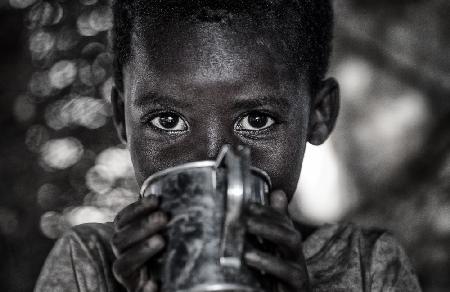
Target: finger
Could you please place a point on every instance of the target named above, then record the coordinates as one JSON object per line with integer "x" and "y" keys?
{"x": 276, "y": 233}
{"x": 139, "y": 230}
{"x": 150, "y": 286}
{"x": 135, "y": 210}
{"x": 289, "y": 273}
{"x": 268, "y": 213}
{"x": 133, "y": 259}
{"x": 279, "y": 201}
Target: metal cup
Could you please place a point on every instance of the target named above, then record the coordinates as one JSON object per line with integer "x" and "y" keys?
{"x": 206, "y": 233}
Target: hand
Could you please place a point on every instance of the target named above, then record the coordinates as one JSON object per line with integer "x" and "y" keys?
{"x": 272, "y": 223}
{"x": 136, "y": 241}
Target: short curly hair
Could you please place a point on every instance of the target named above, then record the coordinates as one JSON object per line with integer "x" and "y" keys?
{"x": 306, "y": 26}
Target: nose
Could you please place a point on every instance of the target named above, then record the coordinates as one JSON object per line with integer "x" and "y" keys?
{"x": 214, "y": 141}
{"x": 215, "y": 135}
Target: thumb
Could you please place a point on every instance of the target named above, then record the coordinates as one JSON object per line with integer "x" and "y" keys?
{"x": 279, "y": 201}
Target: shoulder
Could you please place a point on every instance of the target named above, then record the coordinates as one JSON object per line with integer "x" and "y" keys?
{"x": 340, "y": 237}
{"x": 81, "y": 258}
{"x": 365, "y": 259}
{"x": 89, "y": 241}
{"x": 92, "y": 233}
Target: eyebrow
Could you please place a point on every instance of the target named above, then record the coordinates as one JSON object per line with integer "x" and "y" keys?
{"x": 161, "y": 100}
{"x": 244, "y": 103}
{"x": 271, "y": 100}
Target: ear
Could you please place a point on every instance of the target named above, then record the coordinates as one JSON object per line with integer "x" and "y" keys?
{"x": 118, "y": 106}
{"x": 324, "y": 111}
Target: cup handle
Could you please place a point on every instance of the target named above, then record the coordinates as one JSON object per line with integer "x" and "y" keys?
{"x": 237, "y": 169}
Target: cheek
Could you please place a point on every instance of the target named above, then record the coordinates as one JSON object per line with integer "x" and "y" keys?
{"x": 145, "y": 156}
{"x": 282, "y": 161}
{"x": 151, "y": 152}
{"x": 150, "y": 156}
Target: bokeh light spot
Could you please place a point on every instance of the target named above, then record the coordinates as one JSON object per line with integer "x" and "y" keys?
{"x": 101, "y": 67}
{"x": 87, "y": 214}
{"x": 40, "y": 84}
{"x": 116, "y": 199}
{"x": 63, "y": 74}
{"x": 52, "y": 224}
{"x": 442, "y": 219}
{"x": 61, "y": 153}
{"x": 101, "y": 18}
{"x": 55, "y": 117}
{"x": 355, "y": 78}
{"x": 99, "y": 179}
{"x": 41, "y": 44}
{"x": 106, "y": 89}
{"x": 112, "y": 165}
{"x": 88, "y": 2}
{"x": 35, "y": 137}
{"x": 85, "y": 73}
{"x": 21, "y": 3}
{"x": 45, "y": 13}
{"x": 92, "y": 50}
{"x": 399, "y": 124}
{"x": 84, "y": 25}
{"x": 67, "y": 39}
{"x": 117, "y": 161}
{"x": 87, "y": 112}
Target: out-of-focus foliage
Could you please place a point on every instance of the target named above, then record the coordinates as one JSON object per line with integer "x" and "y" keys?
{"x": 393, "y": 61}
{"x": 71, "y": 83}
{"x": 387, "y": 165}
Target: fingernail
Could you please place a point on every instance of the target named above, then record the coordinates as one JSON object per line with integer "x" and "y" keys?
{"x": 251, "y": 256}
{"x": 150, "y": 286}
{"x": 156, "y": 242}
{"x": 278, "y": 199}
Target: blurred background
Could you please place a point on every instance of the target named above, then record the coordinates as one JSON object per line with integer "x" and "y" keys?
{"x": 386, "y": 165}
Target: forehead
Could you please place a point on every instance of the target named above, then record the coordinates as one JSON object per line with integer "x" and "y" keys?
{"x": 185, "y": 56}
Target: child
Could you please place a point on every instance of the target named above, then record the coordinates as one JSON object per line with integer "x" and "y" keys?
{"x": 193, "y": 75}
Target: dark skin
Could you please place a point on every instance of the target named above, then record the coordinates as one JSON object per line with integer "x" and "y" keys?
{"x": 194, "y": 89}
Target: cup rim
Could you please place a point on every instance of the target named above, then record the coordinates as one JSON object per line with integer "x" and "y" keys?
{"x": 196, "y": 164}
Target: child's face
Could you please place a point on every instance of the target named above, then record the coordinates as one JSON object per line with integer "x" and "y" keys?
{"x": 189, "y": 90}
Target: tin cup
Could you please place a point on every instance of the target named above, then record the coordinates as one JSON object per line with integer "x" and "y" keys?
{"x": 206, "y": 233}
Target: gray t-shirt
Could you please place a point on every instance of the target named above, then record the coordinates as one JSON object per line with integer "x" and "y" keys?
{"x": 338, "y": 257}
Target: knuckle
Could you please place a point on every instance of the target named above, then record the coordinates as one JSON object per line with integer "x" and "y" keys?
{"x": 122, "y": 214}
{"x": 157, "y": 219}
{"x": 147, "y": 221}
{"x": 160, "y": 218}
{"x": 156, "y": 242}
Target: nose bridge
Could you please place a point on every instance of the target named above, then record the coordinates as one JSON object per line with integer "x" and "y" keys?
{"x": 217, "y": 134}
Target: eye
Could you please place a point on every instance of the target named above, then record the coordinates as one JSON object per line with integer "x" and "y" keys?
{"x": 255, "y": 121}
{"x": 170, "y": 122}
